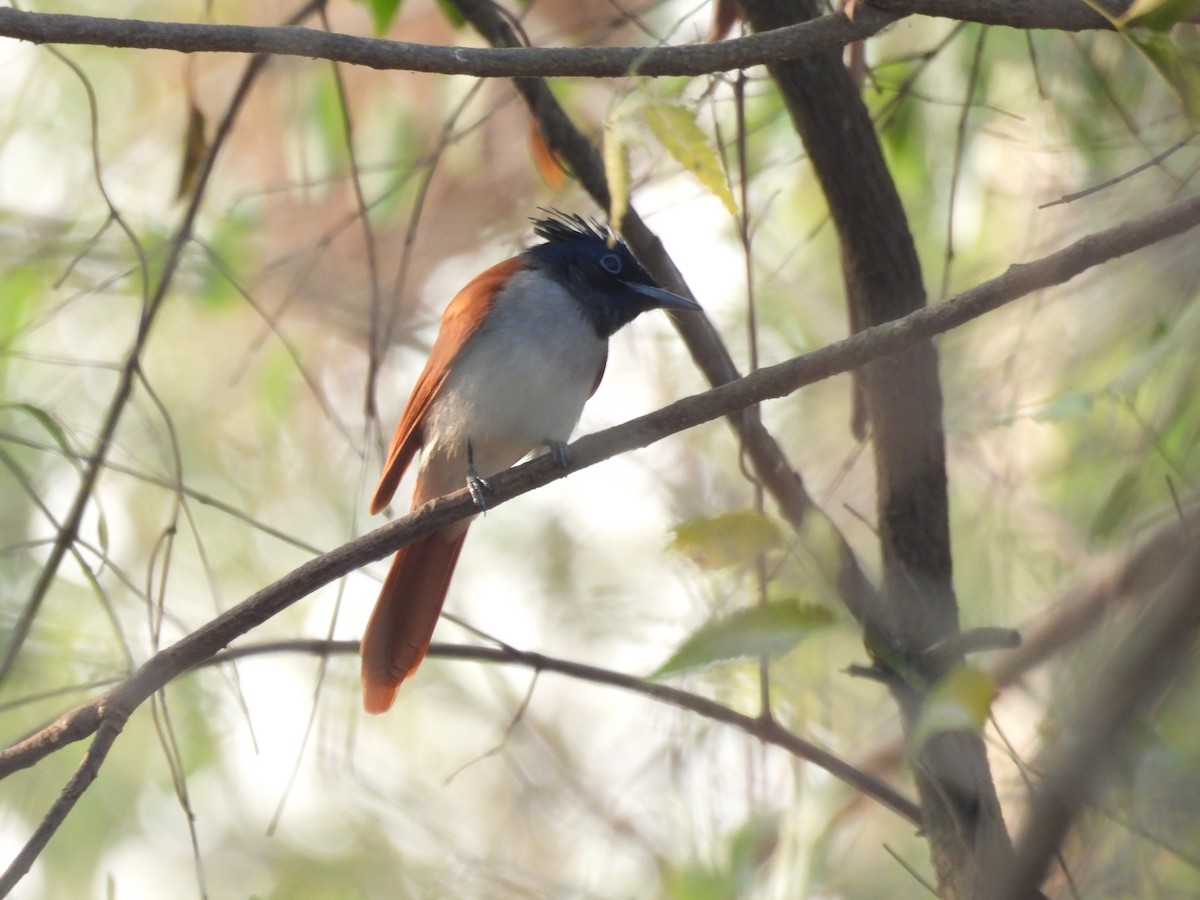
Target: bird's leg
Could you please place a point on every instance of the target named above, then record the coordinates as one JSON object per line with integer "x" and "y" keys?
{"x": 558, "y": 449}
{"x": 476, "y": 483}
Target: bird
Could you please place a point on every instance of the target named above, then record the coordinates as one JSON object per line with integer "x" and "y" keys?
{"x": 519, "y": 351}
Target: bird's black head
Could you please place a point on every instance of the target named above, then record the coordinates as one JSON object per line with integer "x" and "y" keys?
{"x": 599, "y": 271}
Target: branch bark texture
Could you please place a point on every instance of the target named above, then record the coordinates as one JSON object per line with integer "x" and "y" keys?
{"x": 823, "y": 33}
{"x": 903, "y": 399}
{"x": 769, "y": 383}
{"x": 829, "y": 32}
{"x": 106, "y": 714}
{"x": 770, "y": 464}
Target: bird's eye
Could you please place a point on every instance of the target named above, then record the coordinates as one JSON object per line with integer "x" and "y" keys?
{"x": 611, "y": 263}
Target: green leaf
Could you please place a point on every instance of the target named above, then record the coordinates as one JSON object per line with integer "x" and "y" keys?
{"x": 20, "y": 287}
{"x": 729, "y": 539}
{"x": 383, "y": 13}
{"x": 677, "y": 131}
{"x": 1159, "y": 15}
{"x": 1069, "y": 406}
{"x": 768, "y": 630}
{"x": 751, "y": 849}
{"x": 696, "y": 883}
{"x": 1121, "y": 501}
{"x": 452, "y": 13}
{"x": 49, "y": 423}
{"x": 1179, "y": 70}
{"x": 277, "y": 385}
{"x": 233, "y": 243}
{"x": 959, "y": 702}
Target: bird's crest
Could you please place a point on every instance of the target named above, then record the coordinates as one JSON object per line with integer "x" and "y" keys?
{"x": 561, "y": 226}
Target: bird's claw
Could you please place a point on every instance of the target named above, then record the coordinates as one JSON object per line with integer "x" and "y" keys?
{"x": 476, "y": 483}
{"x": 558, "y": 450}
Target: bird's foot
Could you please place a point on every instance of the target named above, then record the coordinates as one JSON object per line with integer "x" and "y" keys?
{"x": 478, "y": 486}
{"x": 476, "y": 483}
{"x": 558, "y": 450}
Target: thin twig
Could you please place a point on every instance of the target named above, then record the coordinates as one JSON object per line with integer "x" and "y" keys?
{"x": 1117, "y": 179}
{"x": 771, "y": 466}
{"x": 90, "y": 471}
{"x": 112, "y": 718}
{"x": 765, "y": 729}
{"x": 774, "y": 381}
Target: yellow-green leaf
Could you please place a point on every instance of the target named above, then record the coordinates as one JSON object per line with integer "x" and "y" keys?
{"x": 677, "y": 131}
{"x": 1072, "y": 405}
{"x": 1160, "y": 15}
{"x": 959, "y": 702}
{"x": 195, "y": 145}
{"x": 728, "y": 539}
{"x": 452, "y": 13}
{"x": 616, "y": 168}
{"x": 1120, "y": 503}
{"x": 49, "y": 423}
{"x": 21, "y": 286}
{"x": 1178, "y": 69}
{"x": 766, "y": 630}
{"x": 383, "y": 13}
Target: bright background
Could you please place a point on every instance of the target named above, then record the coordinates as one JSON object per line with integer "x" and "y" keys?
{"x": 1072, "y": 418}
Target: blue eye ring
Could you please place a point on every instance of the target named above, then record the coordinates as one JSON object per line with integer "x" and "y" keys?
{"x": 611, "y": 263}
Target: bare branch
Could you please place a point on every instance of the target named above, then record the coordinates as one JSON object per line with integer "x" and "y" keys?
{"x": 704, "y": 343}
{"x": 80, "y": 781}
{"x": 1130, "y": 681}
{"x": 151, "y": 305}
{"x": 767, "y": 730}
{"x": 769, "y": 383}
{"x": 827, "y": 33}
{"x": 1059, "y": 15}
{"x": 1124, "y": 581}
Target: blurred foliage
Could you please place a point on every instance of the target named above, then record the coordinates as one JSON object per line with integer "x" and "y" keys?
{"x": 383, "y": 13}
{"x": 675, "y": 127}
{"x": 728, "y": 539}
{"x": 250, "y": 443}
{"x": 768, "y": 630}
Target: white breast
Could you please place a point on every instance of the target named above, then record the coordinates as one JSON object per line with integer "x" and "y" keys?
{"x": 521, "y": 380}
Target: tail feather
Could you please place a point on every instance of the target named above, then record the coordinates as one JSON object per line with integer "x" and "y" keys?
{"x": 405, "y": 615}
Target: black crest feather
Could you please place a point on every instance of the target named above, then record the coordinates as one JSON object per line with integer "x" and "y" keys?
{"x": 561, "y": 226}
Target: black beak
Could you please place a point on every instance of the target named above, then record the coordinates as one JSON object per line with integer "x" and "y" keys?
{"x": 663, "y": 299}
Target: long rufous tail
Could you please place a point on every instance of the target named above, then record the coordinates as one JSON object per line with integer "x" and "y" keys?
{"x": 405, "y": 614}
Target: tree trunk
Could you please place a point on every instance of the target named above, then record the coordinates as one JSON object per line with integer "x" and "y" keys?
{"x": 903, "y": 405}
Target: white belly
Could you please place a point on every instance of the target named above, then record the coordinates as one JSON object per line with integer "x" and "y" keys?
{"x": 520, "y": 381}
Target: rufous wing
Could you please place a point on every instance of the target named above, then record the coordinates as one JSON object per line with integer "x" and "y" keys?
{"x": 461, "y": 319}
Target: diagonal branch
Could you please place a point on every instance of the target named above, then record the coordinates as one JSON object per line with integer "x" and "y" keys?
{"x": 1120, "y": 584}
{"x": 1132, "y": 680}
{"x": 82, "y": 778}
{"x": 769, "y": 383}
{"x": 705, "y": 345}
{"x": 106, "y": 715}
